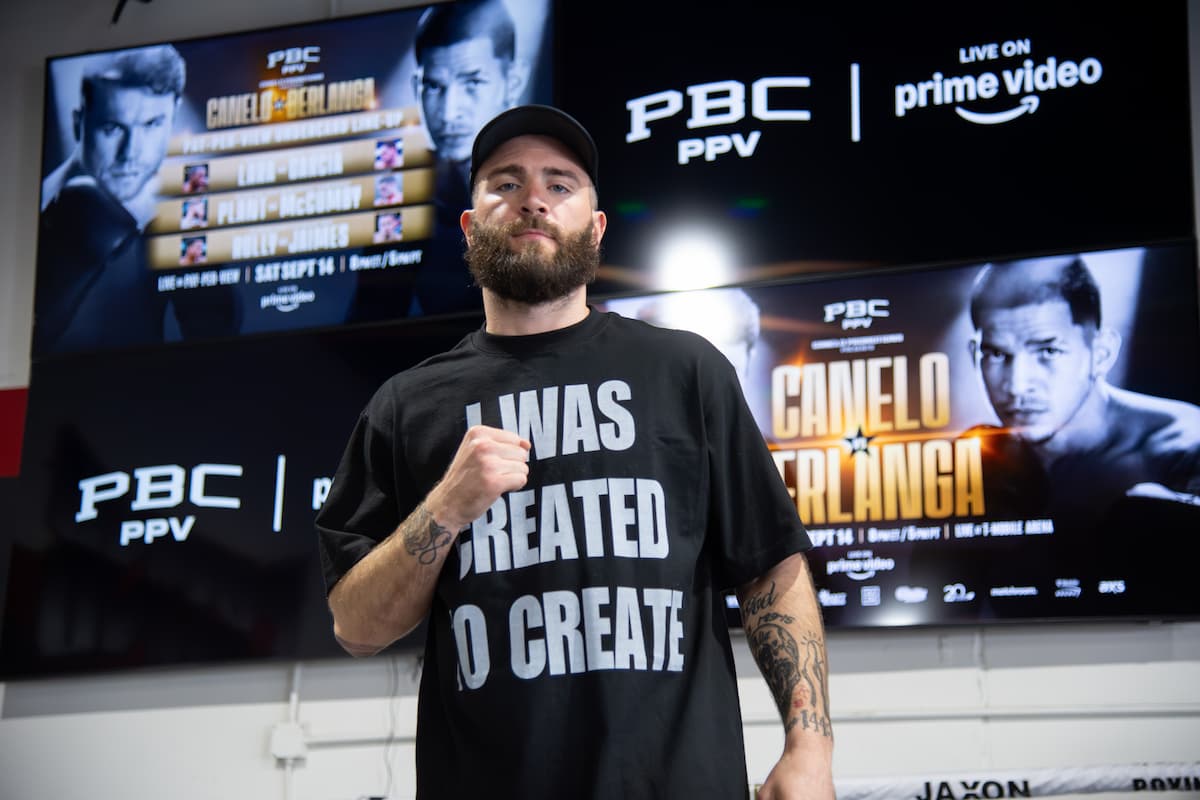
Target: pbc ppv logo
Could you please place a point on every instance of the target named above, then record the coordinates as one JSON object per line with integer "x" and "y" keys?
{"x": 856, "y": 313}
{"x": 717, "y": 103}
{"x": 293, "y": 60}
{"x": 159, "y": 487}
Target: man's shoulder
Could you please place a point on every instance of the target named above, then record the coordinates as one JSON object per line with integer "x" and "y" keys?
{"x": 83, "y": 203}
{"x": 1160, "y": 422}
{"x": 414, "y": 390}
{"x": 432, "y": 370}
{"x": 663, "y": 340}
{"x": 53, "y": 183}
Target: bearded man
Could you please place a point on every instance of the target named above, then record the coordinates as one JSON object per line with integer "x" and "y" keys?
{"x": 565, "y": 495}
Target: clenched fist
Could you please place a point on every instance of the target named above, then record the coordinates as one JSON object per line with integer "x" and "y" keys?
{"x": 489, "y": 462}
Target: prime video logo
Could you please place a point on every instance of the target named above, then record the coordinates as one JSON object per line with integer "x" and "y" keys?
{"x": 287, "y": 298}
{"x": 1024, "y": 83}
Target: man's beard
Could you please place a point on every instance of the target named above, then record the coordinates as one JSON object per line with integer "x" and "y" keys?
{"x": 528, "y": 276}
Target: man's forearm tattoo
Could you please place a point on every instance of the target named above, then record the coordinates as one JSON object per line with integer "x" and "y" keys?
{"x": 778, "y": 657}
{"x": 795, "y": 671}
{"x": 758, "y": 602}
{"x": 813, "y": 713}
{"x": 423, "y": 537}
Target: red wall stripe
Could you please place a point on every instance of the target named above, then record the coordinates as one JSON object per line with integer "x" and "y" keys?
{"x": 12, "y": 429}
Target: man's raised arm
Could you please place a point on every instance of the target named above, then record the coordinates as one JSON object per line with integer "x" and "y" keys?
{"x": 389, "y": 592}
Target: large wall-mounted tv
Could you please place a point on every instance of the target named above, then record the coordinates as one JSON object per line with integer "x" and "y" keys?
{"x": 164, "y": 510}
{"x": 298, "y": 177}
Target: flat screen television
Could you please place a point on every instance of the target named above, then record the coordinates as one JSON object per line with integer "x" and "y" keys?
{"x": 291, "y": 178}
{"x": 164, "y": 510}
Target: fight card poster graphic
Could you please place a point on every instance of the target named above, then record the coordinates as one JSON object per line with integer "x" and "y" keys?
{"x": 820, "y": 139}
{"x": 277, "y": 180}
{"x": 1005, "y": 440}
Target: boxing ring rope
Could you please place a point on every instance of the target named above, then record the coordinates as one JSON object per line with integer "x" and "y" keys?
{"x": 978, "y": 784}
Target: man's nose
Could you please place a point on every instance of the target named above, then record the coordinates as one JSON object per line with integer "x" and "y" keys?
{"x": 1022, "y": 373}
{"x": 130, "y": 143}
{"x": 458, "y": 102}
{"x": 533, "y": 201}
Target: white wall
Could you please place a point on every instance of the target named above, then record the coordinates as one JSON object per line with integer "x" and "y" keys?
{"x": 919, "y": 702}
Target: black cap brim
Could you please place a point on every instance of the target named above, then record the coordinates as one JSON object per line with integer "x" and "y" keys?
{"x": 534, "y": 120}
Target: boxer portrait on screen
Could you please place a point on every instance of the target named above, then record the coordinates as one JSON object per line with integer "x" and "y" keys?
{"x": 94, "y": 286}
{"x": 1069, "y": 443}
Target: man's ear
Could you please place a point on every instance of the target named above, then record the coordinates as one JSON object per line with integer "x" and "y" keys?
{"x": 77, "y": 123}
{"x": 600, "y": 220}
{"x": 464, "y": 222}
{"x": 515, "y": 80}
{"x": 974, "y": 347}
{"x": 1106, "y": 346}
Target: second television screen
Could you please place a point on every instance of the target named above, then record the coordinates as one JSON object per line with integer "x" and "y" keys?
{"x": 276, "y": 180}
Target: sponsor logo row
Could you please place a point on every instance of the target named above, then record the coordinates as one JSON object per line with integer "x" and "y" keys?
{"x": 873, "y": 595}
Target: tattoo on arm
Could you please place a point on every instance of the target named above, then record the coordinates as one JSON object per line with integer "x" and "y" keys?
{"x": 778, "y": 657}
{"x": 795, "y": 672}
{"x": 759, "y": 602}
{"x": 423, "y": 537}
{"x": 813, "y": 713}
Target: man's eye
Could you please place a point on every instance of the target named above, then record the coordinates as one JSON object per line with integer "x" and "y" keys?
{"x": 558, "y": 188}
{"x": 507, "y": 186}
{"x": 1049, "y": 352}
{"x": 994, "y": 356}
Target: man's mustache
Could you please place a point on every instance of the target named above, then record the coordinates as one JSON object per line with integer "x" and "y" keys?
{"x": 1025, "y": 405}
{"x": 520, "y": 226}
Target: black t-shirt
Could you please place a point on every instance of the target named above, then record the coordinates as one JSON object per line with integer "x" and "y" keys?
{"x": 577, "y": 646}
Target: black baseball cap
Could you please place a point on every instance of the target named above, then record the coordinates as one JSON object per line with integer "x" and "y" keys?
{"x": 534, "y": 120}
